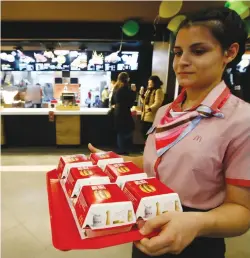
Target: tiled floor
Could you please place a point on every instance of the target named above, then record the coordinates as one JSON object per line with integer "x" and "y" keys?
{"x": 25, "y": 218}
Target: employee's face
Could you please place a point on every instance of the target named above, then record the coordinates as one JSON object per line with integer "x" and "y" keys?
{"x": 199, "y": 59}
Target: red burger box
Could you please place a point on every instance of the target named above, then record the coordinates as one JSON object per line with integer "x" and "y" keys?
{"x": 102, "y": 159}
{"x": 150, "y": 198}
{"x": 103, "y": 210}
{"x": 120, "y": 173}
{"x": 67, "y": 162}
{"x": 81, "y": 176}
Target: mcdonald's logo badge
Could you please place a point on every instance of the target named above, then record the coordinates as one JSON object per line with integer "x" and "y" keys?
{"x": 197, "y": 138}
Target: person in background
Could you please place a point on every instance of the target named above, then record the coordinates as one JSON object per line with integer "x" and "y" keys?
{"x": 105, "y": 97}
{"x": 88, "y": 100}
{"x": 35, "y": 94}
{"x": 122, "y": 100}
{"x": 97, "y": 102}
{"x": 199, "y": 145}
{"x": 21, "y": 95}
{"x": 48, "y": 92}
{"x": 151, "y": 101}
{"x": 112, "y": 85}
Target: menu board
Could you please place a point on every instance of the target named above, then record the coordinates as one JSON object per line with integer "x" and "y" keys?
{"x": 25, "y": 61}
{"x": 57, "y": 60}
{"x": 78, "y": 61}
{"x": 10, "y": 61}
{"x": 122, "y": 61}
{"x": 95, "y": 61}
{"x": 65, "y": 60}
{"x": 17, "y": 60}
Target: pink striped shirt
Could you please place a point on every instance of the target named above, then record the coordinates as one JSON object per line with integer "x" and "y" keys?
{"x": 215, "y": 153}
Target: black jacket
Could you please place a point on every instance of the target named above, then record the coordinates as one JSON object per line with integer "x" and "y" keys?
{"x": 123, "y": 99}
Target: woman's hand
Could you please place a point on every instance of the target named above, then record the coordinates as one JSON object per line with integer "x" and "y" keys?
{"x": 133, "y": 87}
{"x": 178, "y": 230}
{"x": 93, "y": 149}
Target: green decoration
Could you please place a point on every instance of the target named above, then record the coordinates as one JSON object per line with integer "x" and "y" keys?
{"x": 130, "y": 28}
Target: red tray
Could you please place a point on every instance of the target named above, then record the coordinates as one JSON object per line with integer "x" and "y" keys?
{"x": 65, "y": 235}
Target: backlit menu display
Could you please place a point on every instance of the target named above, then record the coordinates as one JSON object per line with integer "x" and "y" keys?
{"x": 95, "y": 61}
{"x": 65, "y": 60}
{"x": 57, "y": 60}
{"x": 17, "y": 60}
{"x": 78, "y": 61}
{"x": 122, "y": 61}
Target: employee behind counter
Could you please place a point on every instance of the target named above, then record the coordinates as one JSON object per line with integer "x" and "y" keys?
{"x": 32, "y": 96}
{"x": 29, "y": 96}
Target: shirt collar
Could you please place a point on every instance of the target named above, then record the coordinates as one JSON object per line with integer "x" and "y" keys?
{"x": 212, "y": 100}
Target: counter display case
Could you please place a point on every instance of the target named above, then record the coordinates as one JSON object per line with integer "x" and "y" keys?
{"x": 34, "y": 127}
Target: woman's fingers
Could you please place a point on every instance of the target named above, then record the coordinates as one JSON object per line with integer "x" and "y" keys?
{"x": 93, "y": 149}
{"x": 155, "y": 223}
{"x": 164, "y": 240}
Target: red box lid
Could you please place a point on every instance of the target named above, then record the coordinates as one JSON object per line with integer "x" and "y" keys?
{"x": 122, "y": 169}
{"x": 87, "y": 171}
{"x": 75, "y": 158}
{"x": 107, "y": 193}
{"x": 147, "y": 187}
{"x": 103, "y": 155}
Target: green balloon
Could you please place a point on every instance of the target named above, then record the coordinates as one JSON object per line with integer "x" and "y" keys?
{"x": 237, "y": 6}
{"x": 130, "y": 28}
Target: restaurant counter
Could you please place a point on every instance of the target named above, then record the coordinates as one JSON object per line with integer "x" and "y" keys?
{"x": 45, "y": 111}
{"x": 48, "y": 127}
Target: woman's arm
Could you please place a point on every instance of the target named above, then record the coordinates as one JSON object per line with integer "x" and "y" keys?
{"x": 142, "y": 98}
{"x": 230, "y": 219}
{"x": 159, "y": 97}
{"x": 178, "y": 229}
{"x": 112, "y": 100}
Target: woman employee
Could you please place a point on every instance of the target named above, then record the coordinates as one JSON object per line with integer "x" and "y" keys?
{"x": 199, "y": 145}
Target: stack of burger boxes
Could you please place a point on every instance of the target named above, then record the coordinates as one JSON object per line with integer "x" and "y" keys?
{"x": 104, "y": 158}
{"x": 67, "y": 162}
{"x": 107, "y": 195}
{"x": 81, "y": 176}
{"x": 150, "y": 198}
{"x": 120, "y": 173}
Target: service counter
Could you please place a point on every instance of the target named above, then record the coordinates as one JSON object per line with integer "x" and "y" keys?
{"x": 50, "y": 127}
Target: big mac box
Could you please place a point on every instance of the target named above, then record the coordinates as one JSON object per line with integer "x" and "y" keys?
{"x": 103, "y": 210}
{"x": 81, "y": 176}
{"x": 150, "y": 198}
{"x": 67, "y": 162}
{"x": 102, "y": 159}
{"x": 120, "y": 173}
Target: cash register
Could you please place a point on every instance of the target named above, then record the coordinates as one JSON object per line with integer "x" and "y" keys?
{"x": 68, "y": 102}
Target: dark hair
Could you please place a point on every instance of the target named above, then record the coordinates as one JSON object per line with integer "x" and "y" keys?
{"x": 123, "y": 77}
{"x": 122, "y": 80}
{"x": 225, "y": 25}
{"x": 156, "y": 80}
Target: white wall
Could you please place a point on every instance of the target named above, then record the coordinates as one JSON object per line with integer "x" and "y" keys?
{"x": 35, "y": 77}
{"x": 43, "y": 77}
{"x": 91, "y": 81}
{"x": 160, "y": 62}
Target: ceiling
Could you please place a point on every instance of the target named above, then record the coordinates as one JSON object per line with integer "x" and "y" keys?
{"x": 91, "y": 11}
{"x": 108, "y": 11}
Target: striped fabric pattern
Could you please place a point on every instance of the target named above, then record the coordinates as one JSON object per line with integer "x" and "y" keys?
{"x": 174, "y": 126}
